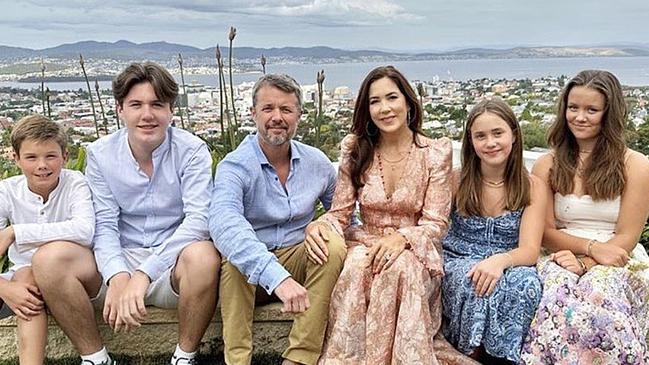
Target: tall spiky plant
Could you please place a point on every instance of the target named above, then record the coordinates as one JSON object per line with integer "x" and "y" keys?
{"x": 180, "y": 113}
{"x": 101, "y": 107}
{"x": 219, "y": 70}
{"x": 92, "y": 104}
{"x": 318, "y": 120}
{"x": 421, "y": 91}
{"x": 47, "y": 98}
{"x": 43, "y": 84}
{"x": 182, "y": 79}
{"x": 231, "y": 35}
{"x": 231, "y": 128}
{"x": 117, "y": 117}
{"x": 263, "y": 64}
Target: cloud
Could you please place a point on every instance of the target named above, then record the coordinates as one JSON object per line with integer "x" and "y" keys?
{"x": 316, "y": 12}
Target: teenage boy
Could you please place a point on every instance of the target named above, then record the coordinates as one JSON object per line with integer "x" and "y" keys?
{"x": 45, "y": 204}
{"x": 151, "y": 189}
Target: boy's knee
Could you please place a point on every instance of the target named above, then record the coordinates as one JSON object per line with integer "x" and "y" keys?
{"x": 52, "y": 253}
{"x": 25, "y": 275}
{"x": 200, "y": 256}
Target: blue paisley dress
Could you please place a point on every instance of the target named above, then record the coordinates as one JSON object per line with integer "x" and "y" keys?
{"x": 499, "y": 321}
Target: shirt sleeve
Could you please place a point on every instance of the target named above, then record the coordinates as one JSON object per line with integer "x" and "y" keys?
{"x": 195, "y": 183}
{"x": 328, "y": 195}
{"x": 4, "y": 208}
{"x": 107, "y": 247}
{"x": 79, "y": 228}
{"x": 425, "y": 237}
{"x": 234, "y": 236}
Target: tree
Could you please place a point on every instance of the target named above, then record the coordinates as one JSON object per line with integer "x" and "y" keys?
{"x": 640, "y": 140}
{"x": 534, "y": 135}
{"x": 458, "y": 114}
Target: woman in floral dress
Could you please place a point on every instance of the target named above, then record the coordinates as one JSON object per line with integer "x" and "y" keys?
{"x": 385, "y": 308}
{"x": 594, "y": 308}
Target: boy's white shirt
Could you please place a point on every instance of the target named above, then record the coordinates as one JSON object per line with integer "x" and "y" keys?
{"x": 67, "y": 215}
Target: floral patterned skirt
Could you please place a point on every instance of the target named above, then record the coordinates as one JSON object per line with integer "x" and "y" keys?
{"x": 598, "y": 318}
{"x": 390, "y": 318}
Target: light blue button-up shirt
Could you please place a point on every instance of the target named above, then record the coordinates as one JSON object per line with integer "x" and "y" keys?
{"x": 251, "y": 212}
{"x": 165, "y": 212}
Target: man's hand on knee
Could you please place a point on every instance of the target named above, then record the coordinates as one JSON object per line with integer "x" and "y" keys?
{"x": 293, "y": 295}
{"x": 131, "y": 311}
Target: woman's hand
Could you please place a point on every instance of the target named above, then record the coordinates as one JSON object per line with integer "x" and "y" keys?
{"x": 608, "y": 254}
{"x": 385, "y": 251}
{"x": 317, "y": 233}
{"x": 568, "y": 260}
{"x": 486, "y": 273}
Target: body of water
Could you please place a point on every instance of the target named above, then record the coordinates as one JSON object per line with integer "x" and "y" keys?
{"x": 633, "y": 71}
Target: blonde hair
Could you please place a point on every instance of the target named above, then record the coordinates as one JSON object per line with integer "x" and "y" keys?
{"x": 38, "y": 128}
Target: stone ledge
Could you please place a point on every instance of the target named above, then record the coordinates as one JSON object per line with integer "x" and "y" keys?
{"x": 159, "y": 334}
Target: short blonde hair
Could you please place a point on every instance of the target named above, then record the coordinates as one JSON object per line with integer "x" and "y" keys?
{"x": 38, "y": 128}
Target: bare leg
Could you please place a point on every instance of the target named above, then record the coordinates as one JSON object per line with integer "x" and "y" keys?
{"x": 32, "y": 334}
{"x": 196, "y": 280}
{"x": 67, "y": 276}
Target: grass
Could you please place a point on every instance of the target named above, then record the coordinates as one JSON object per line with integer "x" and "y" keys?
{"x": 215, "y": 359}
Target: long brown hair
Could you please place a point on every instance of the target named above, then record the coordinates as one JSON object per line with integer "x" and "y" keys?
{"x": 366, "y": 132}
{"x": 468, "y": 199}
{"x": 604, "y": 175}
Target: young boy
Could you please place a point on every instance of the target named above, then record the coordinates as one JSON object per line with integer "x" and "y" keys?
{"x": 46, "y": 203}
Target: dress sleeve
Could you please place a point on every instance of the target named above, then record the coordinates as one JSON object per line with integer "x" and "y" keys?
{"x": 425, "y": 238}
{"x": 344, "y": 200}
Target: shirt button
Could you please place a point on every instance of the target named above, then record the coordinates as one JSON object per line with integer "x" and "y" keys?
{"x": 42, "y": 213}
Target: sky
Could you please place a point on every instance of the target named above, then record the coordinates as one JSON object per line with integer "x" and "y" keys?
{"x": 407, "y": 25}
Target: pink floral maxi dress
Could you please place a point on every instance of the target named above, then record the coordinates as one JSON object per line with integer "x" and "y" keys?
{"x": 393, "y": 317}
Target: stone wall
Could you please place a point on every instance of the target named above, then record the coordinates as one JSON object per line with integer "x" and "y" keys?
{"x": 159, "y": 335}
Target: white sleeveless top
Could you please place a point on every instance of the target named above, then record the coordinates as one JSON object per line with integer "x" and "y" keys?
{"x": 583, "y": 217}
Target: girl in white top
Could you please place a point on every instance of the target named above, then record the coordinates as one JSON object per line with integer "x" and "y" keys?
{"x": 595, "y": 307}
{"x": 44, "y": 204}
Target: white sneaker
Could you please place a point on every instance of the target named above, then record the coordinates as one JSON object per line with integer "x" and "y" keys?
{"x": 108, "y": 362}
{"x": 182, "y": 361}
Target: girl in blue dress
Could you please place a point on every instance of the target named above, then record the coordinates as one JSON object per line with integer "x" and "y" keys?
{"x": 491, "y": 289}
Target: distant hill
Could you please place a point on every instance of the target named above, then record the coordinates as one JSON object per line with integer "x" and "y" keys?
{"x": 164, "y": 51}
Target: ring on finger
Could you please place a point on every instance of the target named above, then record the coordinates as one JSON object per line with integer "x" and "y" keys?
{"x": 386, "y": 257}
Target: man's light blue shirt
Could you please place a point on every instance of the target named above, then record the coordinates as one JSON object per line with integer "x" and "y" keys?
{"x": 252, "y": 213}
{"x": 165, "y": 212}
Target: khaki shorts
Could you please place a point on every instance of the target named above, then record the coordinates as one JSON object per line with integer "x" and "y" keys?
{"x": 160, "y": 294}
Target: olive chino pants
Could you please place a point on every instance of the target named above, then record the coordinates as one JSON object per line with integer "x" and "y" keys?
{"x": 307, "y": 334}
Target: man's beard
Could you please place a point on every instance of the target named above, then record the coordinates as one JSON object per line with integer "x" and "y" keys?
{"x": 274, "y": 139}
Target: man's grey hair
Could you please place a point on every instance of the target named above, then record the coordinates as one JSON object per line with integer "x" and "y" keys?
{"x": 281, "y": 81}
